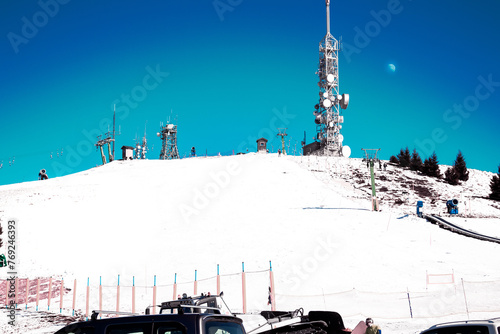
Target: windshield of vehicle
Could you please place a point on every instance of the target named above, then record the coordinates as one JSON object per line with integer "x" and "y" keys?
{"x": 459, "y": 330}
{"x": 223, "y": 327}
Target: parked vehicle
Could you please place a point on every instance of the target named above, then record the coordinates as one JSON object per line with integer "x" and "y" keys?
{"x": 491, "y": 326}
{"x": 207, "y": 314}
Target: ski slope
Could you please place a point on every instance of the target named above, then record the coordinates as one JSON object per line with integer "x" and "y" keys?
{"x": 311, "y": 218}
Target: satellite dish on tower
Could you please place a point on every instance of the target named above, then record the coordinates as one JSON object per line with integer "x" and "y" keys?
{"x": 341, "y": 138}
{"x": 346, "y": 151}
{"x": 330, "y": 78}
{"x": 327, "y": 103}
{"x": 345, "y": 101}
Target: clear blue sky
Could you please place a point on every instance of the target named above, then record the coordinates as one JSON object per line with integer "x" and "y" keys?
{"x": 231, "y": 71}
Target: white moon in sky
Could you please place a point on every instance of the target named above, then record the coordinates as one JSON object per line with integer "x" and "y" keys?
{"x": 392, "y": 67}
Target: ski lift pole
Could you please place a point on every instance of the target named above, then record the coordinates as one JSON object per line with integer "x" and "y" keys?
{"x": 371, "y": 158}
{"x": 374, "y": 192}
{"x": 110, "y": 155}
{"x": 102, "y": 155}
{"x": 282, "y": 134}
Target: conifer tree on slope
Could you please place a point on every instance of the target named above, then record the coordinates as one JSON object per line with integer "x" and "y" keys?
{"x": 451, "y": 176}
{"x": 431, "y": 166}
{"x": 415, "y": 161}
{"x": 404, "y": 157}
{"x": 461, "y": 167}
{"x": 495, "y": 186}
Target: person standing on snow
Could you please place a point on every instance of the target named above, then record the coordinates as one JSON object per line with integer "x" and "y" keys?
{"x": 371, "y": 328}
{"x": 279, "y": 152}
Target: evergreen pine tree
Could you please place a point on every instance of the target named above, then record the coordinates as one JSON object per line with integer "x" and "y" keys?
{"x": 451, "y": 176}
{"x": 393, "y": 159}
{"x": 461, "y": 167}
{"x": 431, "y": 166}
{"x": 425, "y": 167}
{"x": 415, "y": 161}
{"x": 495, "y": 186}
{"x": 404, "y": 157}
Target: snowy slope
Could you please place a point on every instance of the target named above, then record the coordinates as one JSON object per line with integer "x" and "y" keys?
{"x": 310, "y": 216}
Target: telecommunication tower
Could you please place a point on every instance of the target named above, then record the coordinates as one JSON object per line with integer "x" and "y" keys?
{"x": 141, "y": 147}
{"x": 328, "y": 111}
{"x": 168, "y": 135}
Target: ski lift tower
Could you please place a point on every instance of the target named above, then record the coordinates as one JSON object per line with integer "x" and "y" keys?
{"x": 328, "y": 111}
{"x": 106, "y": 141}
{"x": 371, "y": 158}
{"x": 168, "y": 135}
{"x": 282, "y": 134}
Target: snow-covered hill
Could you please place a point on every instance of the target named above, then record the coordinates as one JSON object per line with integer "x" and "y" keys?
{"x": 310, "y": 216}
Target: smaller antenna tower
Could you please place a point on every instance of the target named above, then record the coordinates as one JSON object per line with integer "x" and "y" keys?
{"x": 168, "y": 135}
{"x": 141, "y": 148}
{"x": 282, "y": 134}
{"x": 371, "y": 158}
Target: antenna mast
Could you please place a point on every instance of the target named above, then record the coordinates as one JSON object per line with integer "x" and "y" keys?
{"x": 114, "y": 118}
{"x": 328, "y": 110}
{"x": 327, "y": 17}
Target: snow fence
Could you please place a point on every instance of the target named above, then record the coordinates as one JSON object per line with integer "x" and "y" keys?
{"x": 248, "y": 292}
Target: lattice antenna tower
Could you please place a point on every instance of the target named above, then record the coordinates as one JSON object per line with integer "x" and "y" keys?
{"x": 144, "y": 143}
{"x": 282, "y": 134}
{"x": 141, "y": 146}
{"x": 328, "y": 111}
{"x": 168, "y": 136}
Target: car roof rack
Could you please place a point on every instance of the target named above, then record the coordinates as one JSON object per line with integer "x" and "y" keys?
{"x": 490, "y": 321}
{"x": 95, "y": 313}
